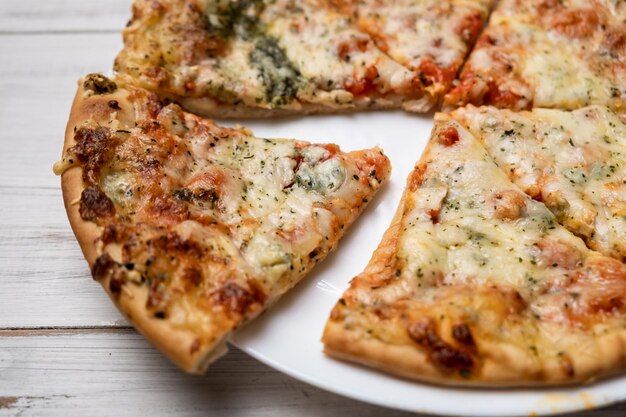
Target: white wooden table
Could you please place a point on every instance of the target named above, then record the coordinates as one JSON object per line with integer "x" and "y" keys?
{"x": 64, "y": 350}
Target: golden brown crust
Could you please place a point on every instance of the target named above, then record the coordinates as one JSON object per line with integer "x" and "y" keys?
{"x": 211, "y": 108}
{"x": 131, "y": 302}
{"x": 504, "y": 367}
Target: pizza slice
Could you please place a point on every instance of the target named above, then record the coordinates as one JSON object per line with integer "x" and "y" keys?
{"x": 194, "y": 229}
{"x": 548, "y": 53}
{"x": 475, "y": 283}
{"x": 574, "y": 162}
{"x": 256, "y": 58}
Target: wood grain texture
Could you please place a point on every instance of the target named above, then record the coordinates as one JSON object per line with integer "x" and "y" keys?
{"x": 45, "y": 279}
{"x": 117, "y": 373}
{"x": 40, "y": 260}
{"x": 64, "y": 349}
{"x": 40, "y": 79}
{"x": 62, "y": 16}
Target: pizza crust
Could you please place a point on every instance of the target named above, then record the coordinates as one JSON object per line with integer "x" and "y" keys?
{"x": 209, "y": 107}
{"x": 505, "y": 367}
{"x": 174, "y": 343}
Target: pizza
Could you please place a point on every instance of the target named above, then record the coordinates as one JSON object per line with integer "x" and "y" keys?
{"x": 257, "y": 58}
{"x": 194, "y": 229}
{"x": 572, "y": 161}
{"x": 548, "y": 53}
{"x": 476, "y": 283}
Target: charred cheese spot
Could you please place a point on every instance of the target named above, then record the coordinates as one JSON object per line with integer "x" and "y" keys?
{"x": 193, "y": 275}
{"x": 92, "y": 149}
{"x": 116, "y": 282}
{"x": 443, "y": 354}
{"x": 463, "y": 334}
{"x": 102, "y": 266}
{"x": 114, "y": 104}
{"x": 95, "y": 205}
{"x": 168, "y": 209}
{"x": 237, "y": 300}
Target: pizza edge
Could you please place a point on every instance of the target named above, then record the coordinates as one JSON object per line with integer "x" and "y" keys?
{"x": 208, "y": 106}
{"x": 174, "y": 343}
{"x": 502, "y": 366}
{"x": 212, "y": 108}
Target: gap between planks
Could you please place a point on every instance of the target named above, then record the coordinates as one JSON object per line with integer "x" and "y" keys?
{"x": 59, "y": 32}
{"x": 63, "y": 330}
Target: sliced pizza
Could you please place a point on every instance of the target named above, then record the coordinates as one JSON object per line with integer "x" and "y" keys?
{"x": 193, "y": 229}
{"x": 274, "y": 57}
{"x": 574, "y": 162}
{"x": 548, "y": 53}
{"x": 475, "y": 283}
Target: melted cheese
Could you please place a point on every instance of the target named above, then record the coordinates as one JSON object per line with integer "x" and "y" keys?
{"x": 574, "y": 161}
{"x": 565, "y": 54}
{"x": 212, "y": 223}
{"x": 466, "y": 243}
{"x": 285, "y": 53}
{"x": 475, "y": 270}
{"x": 414, "y": 29}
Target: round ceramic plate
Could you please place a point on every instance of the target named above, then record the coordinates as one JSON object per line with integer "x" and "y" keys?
{"x": 288, "y": 336}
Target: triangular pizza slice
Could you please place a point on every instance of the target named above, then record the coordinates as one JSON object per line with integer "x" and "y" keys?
{"x": 476, "y": 283}
{"x": 193, "y": 228}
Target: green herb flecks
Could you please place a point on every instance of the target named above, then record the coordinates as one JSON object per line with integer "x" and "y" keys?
{"x": 280, "y": 78}
{"x": 226, "y": 17}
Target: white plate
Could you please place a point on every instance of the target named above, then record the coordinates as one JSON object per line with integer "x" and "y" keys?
{"x": 288, "y": 336}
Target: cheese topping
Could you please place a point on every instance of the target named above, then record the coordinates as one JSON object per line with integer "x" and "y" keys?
{"x": 554, "y": 54}
{"x": 285, "y": 53}
{"x": 575, "y": 162}
{"x": 475, "y": 270}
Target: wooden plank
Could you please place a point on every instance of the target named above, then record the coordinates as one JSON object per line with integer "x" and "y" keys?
{"x": 119, "y": 374}
{"x": 38, "y": 89}
{"x": 78, "y": 373}
{"x": 35, "y": 16}
{"x": 45, "y": 280}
